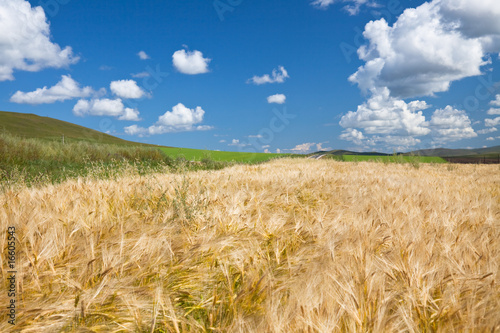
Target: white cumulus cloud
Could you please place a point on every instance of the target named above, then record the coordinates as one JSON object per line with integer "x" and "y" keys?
{"x": 496, "y": 102}
{"x": 383, "y": 114}
{"x": 25, "y": 41}
{"x": 352, "y": 134}
{"x": 450, "y": 124}
{"x": 278, "y": 99}
{"x": 180, "y": 119}
{"x": 237, "y": 143}
{"x": 319, "y": 146}
{"x": 493, "y": 111}
{"x": 190, "y": 62}
{"x": 277, "y": 76}
{"x": 308, "y": 147}
{"x": 429, "y": 47}
{"x": 105, "y": 107}
{"x": 487, "y": 130}
{"x": 127, "y": 89}
{"x": 143, "y": 55}
{"x": 385, "y": 119}
{"x": 492, "y": 122}
{"x": 421, "y": 54}
{"x": 64, "y": 90}
{"x": 303, "y": 148}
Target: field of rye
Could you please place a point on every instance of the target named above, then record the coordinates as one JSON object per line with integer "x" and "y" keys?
{"x": 287, "y": 246}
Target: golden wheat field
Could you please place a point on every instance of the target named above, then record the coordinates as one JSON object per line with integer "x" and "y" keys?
{"x": 287, "y": 246}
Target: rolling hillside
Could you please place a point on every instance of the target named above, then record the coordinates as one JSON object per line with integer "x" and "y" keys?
{"x": 490, "y": 152}
{"x": 443, "y": 152}
{"x": 28, "y": 125}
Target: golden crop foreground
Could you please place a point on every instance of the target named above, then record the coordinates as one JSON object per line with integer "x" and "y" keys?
{"x": 287, "y": 246}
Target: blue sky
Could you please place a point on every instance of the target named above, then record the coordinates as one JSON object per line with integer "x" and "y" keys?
{"x": 286, "y": 76}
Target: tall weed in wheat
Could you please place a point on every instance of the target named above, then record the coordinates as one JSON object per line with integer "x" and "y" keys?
{"x": 287, "y": 246}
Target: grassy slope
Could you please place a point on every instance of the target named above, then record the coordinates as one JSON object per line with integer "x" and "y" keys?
{"x": 443, "y": 152}
{"x": 32, "y": 126}
{"x": 36, "y": 161}
{"x": 438, "y": 152}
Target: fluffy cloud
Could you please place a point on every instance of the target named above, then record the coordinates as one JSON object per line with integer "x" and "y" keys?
{"x": 25, "y": 41}
{"x": 487, "y": 130}
{"x": 190, "y": 62}
{"x": 319, "y": 146}
{"x": 277, "y": 76}
{"x": 237, "y": 143}
{"x": 353, "y": 135}
{"x": 278, "y": 99}
{"x": 383, "y": 114}
{"x": 468, "y": 13}
{"x": 390, "y": 121}
{"x": 421, "y": 54}
{"x": 105, "y": 107}
{"x": 127, "y": 89}
{"x": 353, "y": 6}
{"x": 450, "y": 124}
{"x": 493, "y": 111}
{"x": 303, "y": 148}
{"x": 307, "y": 147}
{"x": 496, "y": 102}
{"x": 429, "y": 47}
{"x": 143, "y": 55}
{"x": 180, "y": 119}
{"x": 130, "y": 115}
{"x": 492, "y": 122}
{"x": 65, "y": 89}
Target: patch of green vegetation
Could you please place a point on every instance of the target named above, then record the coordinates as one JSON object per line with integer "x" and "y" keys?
{"x": 224, "y": 156}
{"x": 393, "y": 159}
{"x": 31, "y": 162}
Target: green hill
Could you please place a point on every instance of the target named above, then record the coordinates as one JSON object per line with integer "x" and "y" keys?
{"x": 28, "y": 125}
{"x": 437, "y": 152}
{"x": 444, "y": 152}
{"x": 45, "y": 129}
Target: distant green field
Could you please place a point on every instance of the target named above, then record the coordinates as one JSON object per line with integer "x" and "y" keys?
{"x": 226, "y": 156}
{"x": 393, "y": 159}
